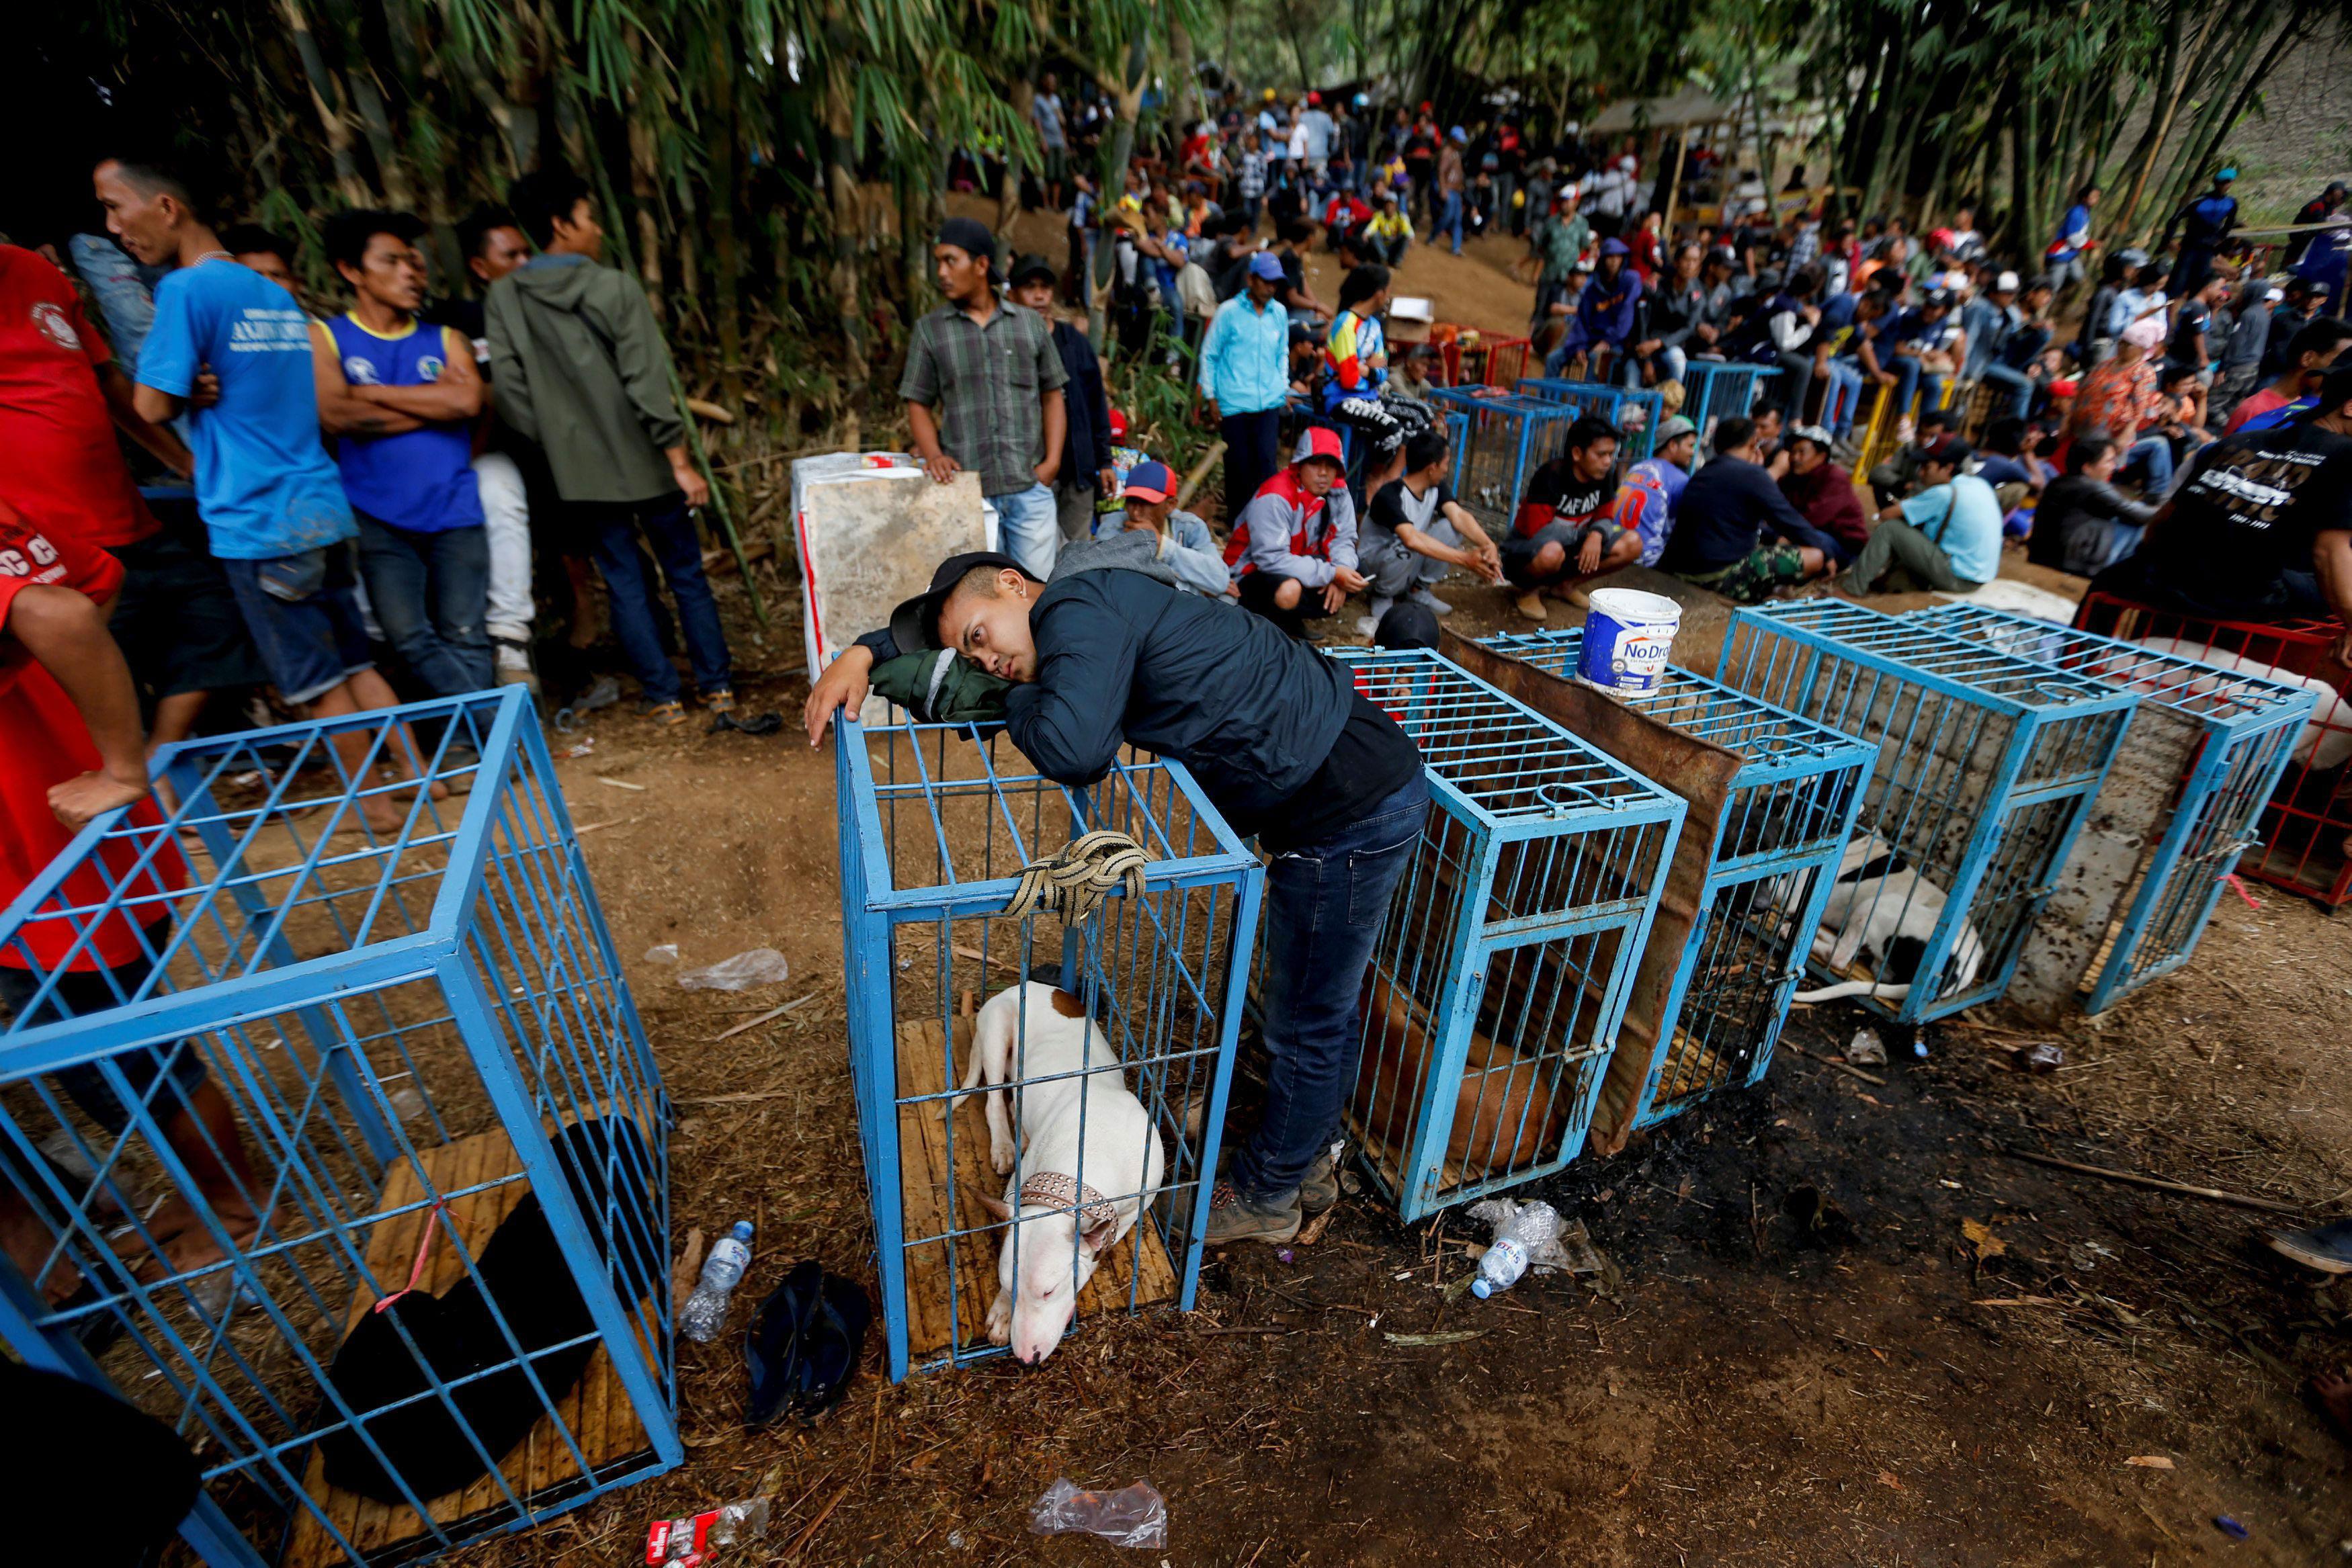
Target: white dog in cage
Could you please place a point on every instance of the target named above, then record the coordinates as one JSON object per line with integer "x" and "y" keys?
{"x": 1083, "y": 1134}
{"x": 1882, "y": 906}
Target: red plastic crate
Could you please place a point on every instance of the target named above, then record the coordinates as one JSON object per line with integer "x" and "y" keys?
{"x": 2307, "y": 828}
{"x": 1490, "y": 362}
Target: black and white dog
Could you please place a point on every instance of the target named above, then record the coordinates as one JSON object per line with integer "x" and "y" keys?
{"x": 1883, "y": 911}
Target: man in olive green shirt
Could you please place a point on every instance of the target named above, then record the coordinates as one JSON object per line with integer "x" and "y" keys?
{"x": 1559, "y": 237}
{"x": 582, "y": 371}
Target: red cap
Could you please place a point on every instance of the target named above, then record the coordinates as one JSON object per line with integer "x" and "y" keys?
{"x": 1315, "y": 98}
{"x": 1322, "y": 441}
{"x": 1118, "y": 424}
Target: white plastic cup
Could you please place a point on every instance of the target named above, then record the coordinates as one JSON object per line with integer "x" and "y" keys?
{"x": 1627, "y": 638}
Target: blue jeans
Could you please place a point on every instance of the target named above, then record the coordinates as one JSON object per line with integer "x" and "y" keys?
{"x": 2150, "y": 457}
{"x": 1324, "y": 905}
{"x": 1905, "y": 369}
{"x": 1028, "y": 527}
{"x": 1844, "y": 396}
{"x": 1449, "y": 220}
{"x": 303, "y": 615}
{"x": 2013, "y": 382}
{"x": 431, "y": 593}
{"x": 611, "y": 527}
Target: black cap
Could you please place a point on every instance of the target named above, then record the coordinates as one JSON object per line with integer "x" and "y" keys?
{"x": 969, "y": 236}
{"x": 1406, "y": 625}
{"x": 2334, "y": 392}
{"x": 915, "y": 625}
{"x": 1028, "y": 266}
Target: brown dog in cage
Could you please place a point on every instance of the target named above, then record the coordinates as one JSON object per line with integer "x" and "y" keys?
{"x": 1505, "y": 1109}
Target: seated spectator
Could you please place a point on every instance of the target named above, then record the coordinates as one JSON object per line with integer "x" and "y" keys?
{"x": 1416, "y": 531}
{"x": 1946, "y": 538}
{"x": 1560, "y": 499}
{"x": 2007, "y": 367}
{"x": 1899, "y": 475}
{"x": 1344, "y": 218}
{"x": 1854, "y": 361}
{"x": 1823, "y": 493}
{"x": 2084, "y": 523}
{"x": 1726, "y": 510}
{"x": 2308, "y": 355}
{"x": 1389, "y": 234}
{"x": 1641, "y": 515}
{"x": 1602, "y": 328}
{"x": 1292, "y": 556}
{"x": 1412, "y": 371}
{"x": 2007, "y": 462}
{"x": 1186, "y": 546}
{"x": 2260, "y": 527}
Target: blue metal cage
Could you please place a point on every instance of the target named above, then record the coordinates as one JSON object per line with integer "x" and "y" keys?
{"x": 2181, "y": 804}
{"x": 1506, "y": 439}
{"x": 1785, "y": 821}
{"x": 1632, "y": 412}
{"x": 1714, "y": 389}
{"x": 1987, "y": 766}
{"x": 1502, "y": 971}
{"x": 938, "y": 822}
{"x": 341, "y": 1034}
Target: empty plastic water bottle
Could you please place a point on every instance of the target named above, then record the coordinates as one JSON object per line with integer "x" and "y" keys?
{"x": 1532, "y": 1231}
{"x": 706, "y": 1310}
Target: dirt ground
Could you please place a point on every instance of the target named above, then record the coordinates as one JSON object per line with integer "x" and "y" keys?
{"x": 1843, "y": 1325}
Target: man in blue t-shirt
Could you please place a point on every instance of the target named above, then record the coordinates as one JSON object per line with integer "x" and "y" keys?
{"x": 1945, "y": 538}
{"x": 400, "y": 396}
{"x": 232, "y": 350}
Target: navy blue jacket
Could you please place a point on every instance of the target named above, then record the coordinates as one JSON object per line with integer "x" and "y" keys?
{"x": 1085, "y": 450}
{"x": 1724, "y": 509}
{"x": 1123, "y": 657}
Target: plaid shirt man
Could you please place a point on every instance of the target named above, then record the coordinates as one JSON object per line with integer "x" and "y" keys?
{"x": 1806, "y": 246}
{"x": 986, "y": 385}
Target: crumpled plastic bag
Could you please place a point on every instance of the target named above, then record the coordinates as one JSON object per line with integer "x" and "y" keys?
{"x": 1132, "y": 1516}
{"x": 760, "y": 966}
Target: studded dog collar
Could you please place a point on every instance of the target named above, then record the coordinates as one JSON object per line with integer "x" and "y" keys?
{"x": 1052, "y": 1189}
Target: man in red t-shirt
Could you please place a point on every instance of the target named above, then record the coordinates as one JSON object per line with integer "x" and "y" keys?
{"x": 70, "y": 750}
{"x": 61, "y": 398}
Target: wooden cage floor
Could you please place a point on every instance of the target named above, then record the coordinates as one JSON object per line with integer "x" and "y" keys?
{"x": 935, "y": 1324}
{"x": 596, "y": 1409}
{"x": 1691, "y": 1065}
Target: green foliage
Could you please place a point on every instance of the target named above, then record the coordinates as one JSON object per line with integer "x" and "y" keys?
{"x": 1154, "y": 390}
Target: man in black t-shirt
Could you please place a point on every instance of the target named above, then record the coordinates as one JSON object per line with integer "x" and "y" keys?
{"x": 1416, "y": 531}
{"x": 1559, "y": 500}
{"x": 2260, "y": 527}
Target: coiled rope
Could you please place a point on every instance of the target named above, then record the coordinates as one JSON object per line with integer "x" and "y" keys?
{"x": 1073, "y": 882}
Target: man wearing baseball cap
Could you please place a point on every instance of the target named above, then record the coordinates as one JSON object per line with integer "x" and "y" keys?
{"x": 1181, "y": 541}
{"x": 1823, "y": 493}
{"x": 983, "y": 391}
{"x": 1244, "y": 379}
{"x": 1603, "y": 323}
{"x": 1293, "y": 550}
{"x": 1641, "y": 515}
{"x": 1282, "y": 742}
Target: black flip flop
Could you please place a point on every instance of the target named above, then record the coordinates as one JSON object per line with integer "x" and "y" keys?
{"x": 802, "y": 1346}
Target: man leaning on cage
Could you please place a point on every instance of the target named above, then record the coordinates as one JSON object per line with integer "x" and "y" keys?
{"x": 1109, "y": 653}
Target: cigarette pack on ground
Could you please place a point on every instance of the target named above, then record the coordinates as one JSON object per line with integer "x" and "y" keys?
{"x": 872, "y": 529}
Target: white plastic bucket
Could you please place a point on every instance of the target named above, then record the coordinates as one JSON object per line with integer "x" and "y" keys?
{"x": 1627, "y": 637}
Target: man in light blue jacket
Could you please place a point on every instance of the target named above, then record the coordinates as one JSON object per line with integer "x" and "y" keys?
{"x": 1245, "y": 380}
{"x": 1186, "y": 548}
